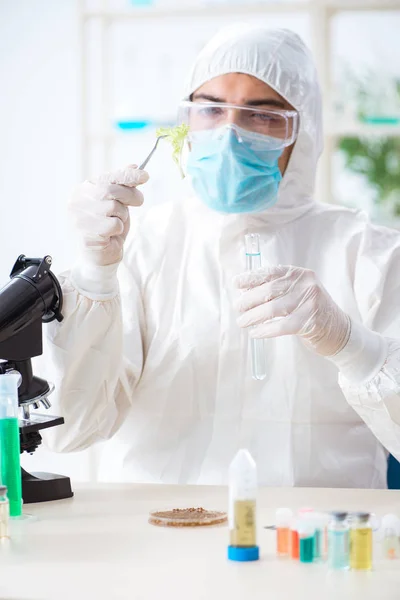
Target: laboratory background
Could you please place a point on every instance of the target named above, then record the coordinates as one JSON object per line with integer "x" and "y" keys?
{"x": 85, "y": 85}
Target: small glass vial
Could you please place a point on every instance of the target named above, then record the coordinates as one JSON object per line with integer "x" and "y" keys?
{"x": 4, "y": 513}
{"x": 294, "y": 540}
{"x": 283, "y": 519}
{"x": 306, "y": 531}
{"x": 338, "y": 541}
{"x": 294, "y": 534}
{"x": 391, "y": 540}
{"x": 361, "y": 542}
{"x": 242, "y": 508}
{"x": 321, "y": 521}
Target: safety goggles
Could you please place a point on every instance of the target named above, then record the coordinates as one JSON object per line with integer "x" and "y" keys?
{"x": 281, "y": 126}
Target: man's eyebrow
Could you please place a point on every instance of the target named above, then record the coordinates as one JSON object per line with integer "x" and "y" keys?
{"x": 267, "y": 102}
{"x": 208, "y": 97}
{"x": 257, "y": 102}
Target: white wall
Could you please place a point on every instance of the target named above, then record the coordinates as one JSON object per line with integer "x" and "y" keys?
{"x": 39, "y": 149}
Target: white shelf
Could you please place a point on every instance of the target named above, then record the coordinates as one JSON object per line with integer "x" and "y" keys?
{"x": 116, "y": 134}
{"x": 227, "y": 9}
{"x": 362, "y": 130}
{"x": 360, "y": 5}
{"x": 350, "y": 129}
{"x": 154, "y": 12}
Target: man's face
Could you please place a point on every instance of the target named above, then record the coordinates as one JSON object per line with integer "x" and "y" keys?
{"x": 244, "y": 90}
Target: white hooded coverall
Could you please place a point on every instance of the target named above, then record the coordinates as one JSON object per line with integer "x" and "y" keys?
{"x": 160, "y": 368}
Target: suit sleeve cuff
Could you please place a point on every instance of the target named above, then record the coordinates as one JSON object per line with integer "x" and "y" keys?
{"x": 363, "y": 356}
{"x": 98, "y": 283}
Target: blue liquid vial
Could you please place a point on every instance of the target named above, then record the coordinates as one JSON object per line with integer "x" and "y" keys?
{"x": 321, "y": 521}
{"x": 339, "y": 542}
{"x": 306, "y": 531}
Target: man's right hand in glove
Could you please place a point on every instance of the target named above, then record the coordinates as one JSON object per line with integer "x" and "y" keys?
{"x": 99, "y": 209}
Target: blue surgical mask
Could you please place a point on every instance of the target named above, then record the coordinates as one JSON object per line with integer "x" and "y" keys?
{"x": 233, "y": 170}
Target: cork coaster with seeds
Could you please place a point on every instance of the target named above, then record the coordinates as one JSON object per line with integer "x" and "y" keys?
{"x": 187, "y": 517}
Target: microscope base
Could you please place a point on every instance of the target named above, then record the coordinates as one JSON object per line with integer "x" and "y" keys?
{"x": 43, "y": 487}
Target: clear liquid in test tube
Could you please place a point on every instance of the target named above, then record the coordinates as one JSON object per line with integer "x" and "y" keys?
{"x": 257, "y": 348}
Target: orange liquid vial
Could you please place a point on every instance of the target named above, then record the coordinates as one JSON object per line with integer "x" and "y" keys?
{"x": 283, "y": 541}
{"x": 294, "y": 545}
{"x": 283, "y": 520}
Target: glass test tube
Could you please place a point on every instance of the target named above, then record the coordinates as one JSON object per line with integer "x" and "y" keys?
{"x": 257, "y": 349}
{"x": 242, "y": 508}
{"x": 10, "y": 471}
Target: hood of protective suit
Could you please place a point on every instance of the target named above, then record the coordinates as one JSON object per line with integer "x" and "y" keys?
{"x": 279, "y": 58}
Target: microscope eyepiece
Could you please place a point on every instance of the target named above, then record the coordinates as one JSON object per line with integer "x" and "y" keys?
{"x": 32, "y": 296}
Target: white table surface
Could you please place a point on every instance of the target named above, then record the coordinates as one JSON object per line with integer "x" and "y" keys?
{"x": 100, "y": 545}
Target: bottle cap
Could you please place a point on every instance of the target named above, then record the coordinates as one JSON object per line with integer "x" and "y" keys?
{"x": 9, "y": 395}
{"x": 360, "y": 516}
{"x": 283, "y": 517}
{"x": 242, "y": 554}
{"x": 391, "y": 522}
{"x": 3, "y": 490}
{"x": 8, "y": 384}
{"x": 243, "y": 476}
{"x": 321, "y": 520}
{"x": 339, "y": 515}
{"x": 305, "y": 527}
{"x": 303, "y": 511}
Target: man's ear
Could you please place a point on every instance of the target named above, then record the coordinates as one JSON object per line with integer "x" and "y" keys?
{"x": 284, "y": 159}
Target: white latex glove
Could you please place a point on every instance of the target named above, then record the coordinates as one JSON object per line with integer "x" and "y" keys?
{"x": 99, "y": 209}
{"x": 287, "y": 300}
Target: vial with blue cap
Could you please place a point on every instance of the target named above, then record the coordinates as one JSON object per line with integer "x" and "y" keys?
{"x": 242, "y": 508}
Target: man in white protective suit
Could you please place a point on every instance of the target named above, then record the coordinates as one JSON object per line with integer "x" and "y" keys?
{"x": 153, "y": 352}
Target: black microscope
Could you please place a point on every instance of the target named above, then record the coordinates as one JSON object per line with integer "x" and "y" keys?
{"x": 32, "y": 296}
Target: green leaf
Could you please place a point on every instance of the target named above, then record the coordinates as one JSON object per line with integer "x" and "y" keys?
{"x": 176, "y": 136}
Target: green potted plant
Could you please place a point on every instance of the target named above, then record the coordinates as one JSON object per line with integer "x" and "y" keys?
{"x": 375, "y": 100}
{"x": 378, "y": 161}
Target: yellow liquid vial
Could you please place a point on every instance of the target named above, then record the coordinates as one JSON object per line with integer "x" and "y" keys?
{"x": 244, "y": 532}
{"x": 361, "y": 548}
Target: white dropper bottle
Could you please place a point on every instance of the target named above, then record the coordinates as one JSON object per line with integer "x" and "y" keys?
{"x": 242, "y": 508}
{"x": 391, "y": 540}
